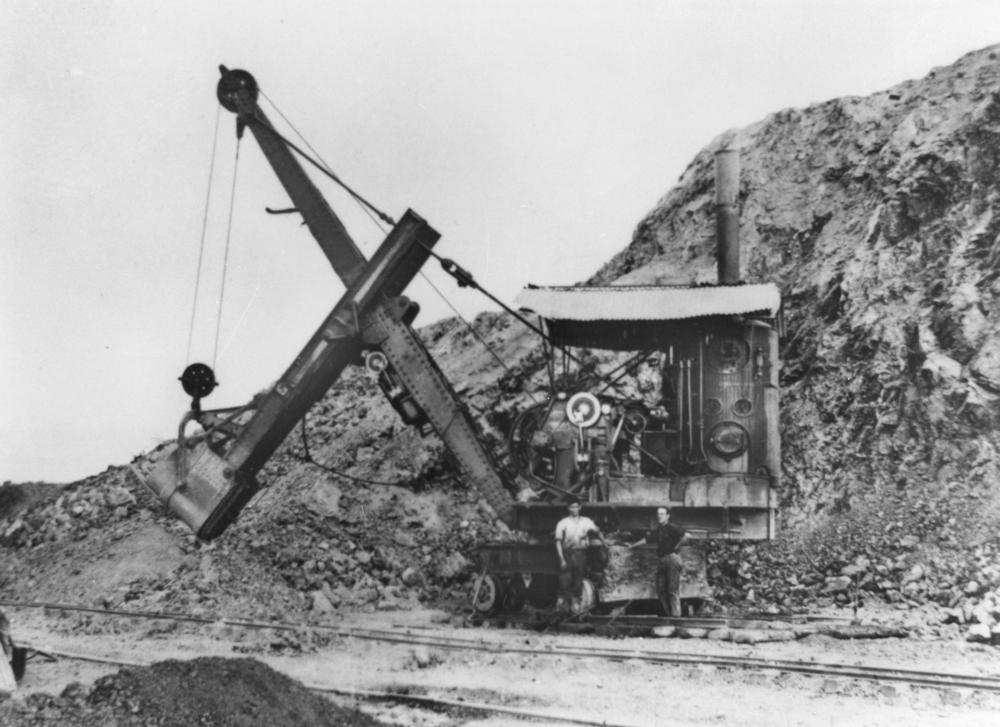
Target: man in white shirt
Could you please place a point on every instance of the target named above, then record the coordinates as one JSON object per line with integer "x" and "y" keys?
{"x": 572, "y": 539}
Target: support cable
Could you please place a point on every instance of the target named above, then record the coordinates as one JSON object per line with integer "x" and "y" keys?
{"x": 204, "y": 228}
{"x": 320, "y": 166}
{"x": 327, "y": 169}
{"x": 225, "y": 259}
{"x": 471, "y": 328}
{"x": 466, "y": 280}
{"x": 368, "y": 209}
{"x": 463, "y": 277}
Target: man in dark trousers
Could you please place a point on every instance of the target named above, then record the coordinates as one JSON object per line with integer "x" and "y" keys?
{"x": 573, "y": 535}
{"x": 667, "y": 537}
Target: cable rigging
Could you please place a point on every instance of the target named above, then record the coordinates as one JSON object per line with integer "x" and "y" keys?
{"x": 461, "y": 275}
{"x": 225, "y": 258}
{"x": 368, "y": 209}
{"x": 204, "y": 228}
{"x": 323, "y": 167}
{"x": 199, "y": 380}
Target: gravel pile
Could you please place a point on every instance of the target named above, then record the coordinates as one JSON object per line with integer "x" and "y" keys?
{"x": 204, "y": 691}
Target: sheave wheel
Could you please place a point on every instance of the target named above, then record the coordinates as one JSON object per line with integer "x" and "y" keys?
{"x": 488, "y": 595}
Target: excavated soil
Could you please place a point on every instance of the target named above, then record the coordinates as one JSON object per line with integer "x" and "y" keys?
{"x": 879, "y": 218}
{"x": 202, "y": 691}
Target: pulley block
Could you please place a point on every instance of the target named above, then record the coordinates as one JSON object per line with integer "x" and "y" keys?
{"x": 232, "y": 84}
{"x": 198, "y": 381}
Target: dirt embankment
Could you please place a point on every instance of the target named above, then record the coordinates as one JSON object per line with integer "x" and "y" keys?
{"x": 879, "y": 217}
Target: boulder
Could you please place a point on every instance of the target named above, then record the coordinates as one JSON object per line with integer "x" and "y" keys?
{"x": 688, "y": 632}
{"x": 979, "y": 633}
{"x": 118, "y": 496}
{"x": 320, "y": 602}
{"x": 422, "y": 657}
{"x": 412, "y": 577}
{"x": 452, "y": 566}
{"x": 837, "y": 584}
{"x": 404, "y": 539}
{"x": 915, "y": 573}
{"x": 986, "y": 363}
{"x": 756, "y": 636}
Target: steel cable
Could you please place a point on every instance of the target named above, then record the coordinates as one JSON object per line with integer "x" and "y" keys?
{"x": 225, "y": 259}
{"x": 204, "y": 228}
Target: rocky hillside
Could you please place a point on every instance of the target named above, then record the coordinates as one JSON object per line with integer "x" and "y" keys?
{"x": 879, "y": 217}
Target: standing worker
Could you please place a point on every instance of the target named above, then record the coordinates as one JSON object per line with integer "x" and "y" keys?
{"x": 667, "y": 537}
{"x": 572, "y": 539}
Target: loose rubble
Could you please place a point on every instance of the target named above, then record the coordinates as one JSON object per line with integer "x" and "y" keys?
{"x": 207, "y": 691}
{"x": 879, "y": 217}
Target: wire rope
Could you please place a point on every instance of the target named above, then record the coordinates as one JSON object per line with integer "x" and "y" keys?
{"x": 225, "y": 258}
{"x": 323, "y": 167}
{"x": 204, "y": 229}
{"x": 365, "y": 207}
{"x": 465, "y": 279}
{"x": 368, "y": 209}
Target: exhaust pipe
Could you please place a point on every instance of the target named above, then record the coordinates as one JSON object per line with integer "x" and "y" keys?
{"x": 727, "y": 219}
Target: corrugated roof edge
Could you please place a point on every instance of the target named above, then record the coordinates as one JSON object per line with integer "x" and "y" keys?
{"x": 648, "y": 302}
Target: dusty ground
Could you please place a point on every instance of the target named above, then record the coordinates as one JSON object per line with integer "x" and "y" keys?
{"x": 625, "y": 692}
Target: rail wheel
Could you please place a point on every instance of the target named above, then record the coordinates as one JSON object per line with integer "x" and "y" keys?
{"x": 488, "y": 596}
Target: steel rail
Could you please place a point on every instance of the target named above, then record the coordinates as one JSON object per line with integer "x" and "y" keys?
{"x": 800, "y": 622}
{"x": 406, "y": 636}
{"x": 368, "y": 694}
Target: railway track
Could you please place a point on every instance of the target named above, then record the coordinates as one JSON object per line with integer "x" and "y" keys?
{"x": 419, "y": 637}
{"x": 638, "y": 625}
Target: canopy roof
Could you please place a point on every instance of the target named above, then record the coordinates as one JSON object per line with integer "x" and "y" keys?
{"x": 649, "y": 302}
{"x": 638, "y": 317}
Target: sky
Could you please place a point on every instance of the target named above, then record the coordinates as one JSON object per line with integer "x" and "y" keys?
{"x": 532, "y": 134}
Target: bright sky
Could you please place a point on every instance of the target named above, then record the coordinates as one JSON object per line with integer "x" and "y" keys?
{"x": 533, "y": 134}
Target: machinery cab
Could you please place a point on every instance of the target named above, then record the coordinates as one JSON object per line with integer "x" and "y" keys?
{"x": 687, "y": 418}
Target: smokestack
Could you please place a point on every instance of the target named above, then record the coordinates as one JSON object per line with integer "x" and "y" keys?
{"x": 727, "y": 219}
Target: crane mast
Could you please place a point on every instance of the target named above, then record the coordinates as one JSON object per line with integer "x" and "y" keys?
{"x": 208, "y": 479}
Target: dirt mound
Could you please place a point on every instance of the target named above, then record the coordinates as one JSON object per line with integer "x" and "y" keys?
{"x": 16, "y": 498}
{"x": 879, "y": 217}
{"x": 205, "y": 691}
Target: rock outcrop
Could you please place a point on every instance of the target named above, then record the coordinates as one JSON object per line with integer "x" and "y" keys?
{"x": 879, "y": 217}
